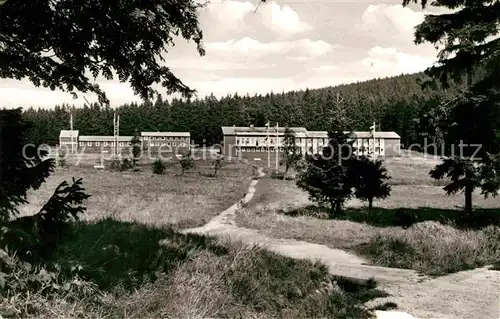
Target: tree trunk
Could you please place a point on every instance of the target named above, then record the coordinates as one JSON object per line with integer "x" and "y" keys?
{"x": 338, "y": 208}
{"x": 370, "y": 204}
{"x": 468, "y": 194}
{"x": 332, "y": 209}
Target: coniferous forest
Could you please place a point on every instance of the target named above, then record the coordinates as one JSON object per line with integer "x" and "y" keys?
{"x": 397, "y": 104}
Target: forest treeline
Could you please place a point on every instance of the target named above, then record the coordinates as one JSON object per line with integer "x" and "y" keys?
{"x": 395, "y": 103}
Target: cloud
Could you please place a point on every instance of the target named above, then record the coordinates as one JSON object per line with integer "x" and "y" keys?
{"x": 225, "y": 15}
{"x": 223, "y": 18}
{"x": 279, "y": 47}
{"x": 391, "y": 21}
{"x": 212, "y": 64}
{"x": 404, "y": 19}
{"x": 283, "y": 20}
{"x": 325, "y": 68}
{"x": 390, "y": 61}
{"x": 248, "y": 48}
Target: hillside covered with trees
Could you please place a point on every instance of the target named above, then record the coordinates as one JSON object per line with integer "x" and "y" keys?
{"x": 395, "y": 103}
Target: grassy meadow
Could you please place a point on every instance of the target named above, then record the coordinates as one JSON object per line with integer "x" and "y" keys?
{"x": 126, "y": 258}
{"x": 418, "y": 227}
{"x": 169, "y": 199}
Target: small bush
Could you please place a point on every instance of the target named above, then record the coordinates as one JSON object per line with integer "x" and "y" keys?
{"x": 187, "y": 163}
{"x": 158, "y": 167}
{"x": 126, "y": 164}
{"x": 277, "y": 175}
{"x": 115, "y": 165}
{"x": 121, "y": 165}
{"x": 62, "y": 160}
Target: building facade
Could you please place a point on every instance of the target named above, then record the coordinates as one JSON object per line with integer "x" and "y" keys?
{"x": 153, "y": 143}
{"x": 378, "y": 143}
{"x": 166, "y": 142}
{"x": 254, "y": 142}
{"x": 104, "y": 144}
{"x": 261, "y": 143}
{"x": 68, "y": 140}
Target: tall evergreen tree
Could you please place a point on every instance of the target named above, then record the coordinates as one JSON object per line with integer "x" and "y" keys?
{"x": 370, "y": 180}
{"x": 291, "y": 154}
{"x": 21, "y": 166}
{"x": 470, "y": 44}
{"x": 327, "y": 176}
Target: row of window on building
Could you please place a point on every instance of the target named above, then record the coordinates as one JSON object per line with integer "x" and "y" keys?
{"x": 361, "y": 150}
{"x": 182, "y": 144}
{"x": 166, "y": 138}
{"x": 262, "y": 141}
{"x": 124, "y": 144}
{"x": 258, "y": 149}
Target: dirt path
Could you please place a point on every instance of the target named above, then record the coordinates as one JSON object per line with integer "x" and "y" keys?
{"x": 464, "y": 295}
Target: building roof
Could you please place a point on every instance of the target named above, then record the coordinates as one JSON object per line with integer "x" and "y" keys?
{"x": 68, "y": 133}
{"x": 233, "y": 130}
{"x": 299, "y": 132}
{"x": 377, "y": 135}
{"x": 94, "y": 138}
{"x": 317, "y": 134}
{"x": 185, "y": 134}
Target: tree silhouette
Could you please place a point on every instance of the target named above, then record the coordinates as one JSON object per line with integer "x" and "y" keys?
{"x": 136, "y": 143}
{"x": 21, "y": 166}
{"x": 469, "y": 42}
{"x": 291, "y": 154}
{"x": 371, "y": 177}
{"x": 327, "y": 176}
{"x": 24, "y": 167}
{"x": 55, "y": 43}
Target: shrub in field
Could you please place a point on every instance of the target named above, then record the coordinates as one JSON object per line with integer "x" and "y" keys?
{"x": 158, "y": 167}
{"x": 115, "y": 164}
{"x": 121, "y": 164}
{"x": 370, "y": 176}
{"x": 62, "y": 160}
{"x": 218, "y": 163}
{"x": 126, "y": 164}
{"x": 187, "y": 162}
{"x": 135, "y": 143}
{"x": 291, "y": 155}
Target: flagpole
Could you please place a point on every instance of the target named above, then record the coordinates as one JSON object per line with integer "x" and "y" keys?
{"x": 374, "y": 155}
{"x": 71, "y": 127}
{"x": 277, "y": 148}
{"x": 268, "y": 149}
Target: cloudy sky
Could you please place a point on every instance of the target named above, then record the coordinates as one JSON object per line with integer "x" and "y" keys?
{"x": 284, "y": 45}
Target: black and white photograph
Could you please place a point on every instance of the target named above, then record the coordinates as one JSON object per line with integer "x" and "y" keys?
{"x": 265, "y": 159}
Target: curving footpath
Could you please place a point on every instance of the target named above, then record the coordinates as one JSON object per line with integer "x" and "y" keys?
{"x": 464, "y": 295}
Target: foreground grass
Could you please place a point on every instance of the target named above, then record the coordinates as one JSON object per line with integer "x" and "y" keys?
{"x": 110, "y": 268}
{"x": 435, "y": 240}
{"x": 434, "y": 249}
{"x": 169, "y": 199}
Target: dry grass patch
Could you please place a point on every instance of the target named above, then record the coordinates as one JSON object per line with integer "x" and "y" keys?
{"x": 184, "y": 201}
{"x": 135, "y": 270}
{"x": 434, "y": 249}
{"x": 249, "y": 282}
{"x": 281, "y": 210}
